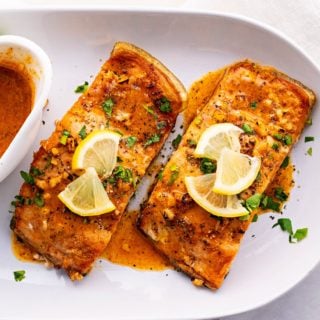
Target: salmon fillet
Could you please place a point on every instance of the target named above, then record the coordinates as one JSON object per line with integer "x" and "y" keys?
{"x": 145, "y": 101}
{"x": 198, "y": 243}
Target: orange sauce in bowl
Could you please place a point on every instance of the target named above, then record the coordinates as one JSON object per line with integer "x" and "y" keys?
{"x": 16, "y": 99}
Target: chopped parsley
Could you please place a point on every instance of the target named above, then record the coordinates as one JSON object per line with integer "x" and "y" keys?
{"x": 83, "y": 133}
{"x": 19, "y": 200}
{"x": 82, "y": 88}
{"x": 19, "y": 275}
{"x": 300, "y": 234}
{"x": 253, "y": 202}
{"x": 64, "y": 137}
{"x": 107, "y": 106}
{"x": 161, "y": 125}
{"x": 122, "y": 173}
{"x": 150, "y": 111}
{"x": 286, "y": 225}
{"x": 152, "y": 139}
{"x": 36, "y": 172}
{"x": 130, "y": 142}
{"x": 38, "y": 200}
{"x": 207, "y": 166}
{"x": 309, "y": 151}
{"x": 164, "y": 105}
{"x": 288, "y": 140}
{"x": 192, "y": 143}
{"x": 308, "y": 139}
{"x": 280, "y": 194}
{"x": 247, "y": 129}
{"x": 174, "y": 175}
{"x": 176, "y": 141}
{"x": 27, "y": 177}
{"x": 285, "y": 162}
{"x": 285, "y": 139}
{"x": 253, "y": 105}
{"x": 269, "y": 203}
{"x": 244, "y": 218}
{"x": 275, "y": 146}
{"x": 160, "y": 175}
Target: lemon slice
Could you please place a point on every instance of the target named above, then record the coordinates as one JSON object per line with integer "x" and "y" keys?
{"x": 98, "y": 150}
{"x": 235, "y": 172}
{"x": 216, "y": 138}
{"x": 86, "y": 196}
{"x": 200, "y": 190}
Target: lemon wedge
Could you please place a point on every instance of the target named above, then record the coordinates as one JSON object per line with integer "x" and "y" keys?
{"x": 98, "y": 150}
{"x": 235, "y": 172}
{"x": 200, "y": 190}
{"x": 216, "y": 138}
{"x": 86, "y": 195}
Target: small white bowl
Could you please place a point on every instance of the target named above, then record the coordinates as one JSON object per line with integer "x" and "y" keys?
{"x": 18, "y": 50}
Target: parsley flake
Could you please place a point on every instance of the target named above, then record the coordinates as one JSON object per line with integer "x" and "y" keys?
{"x": 160, "y": 175}
{"x": 192, "y": 143}
{"x": 64, "y": 137}
{"x": 150, "y": 111}
{"x": 161, "y": 125}
{"x": 38, "y": 200}
{"x": 300, "y": 234}
{"x": 247, "y": 128}
{"x": 308, "y": 139}
{"x": 285, "y": 139}
{"x": 285, "y": 162}
{"x": 36, "y": 172}
{"x": 130, "y": 142}
{"x": 269, "y": 203}
{"x": 152, "y": 139}
{"x": 253, "y": 202}
{"x": 27, "y": 177}
{"x": 309, "y": 151}
{"x": 176, "y": 141}
{"x": 174, "y": 174}
{"x": 280, "y": 194}
{"x": 244, "y": 218}
{"x": 19, "y": 275}
{"x": 164, "y": 105}
{"x": 207, "y": 166}
{"x": 124, "y": 174}
{"x": 82, "y": 88}
{"x": 285, "y": 225}
{"x": 107, "y": 106}
{"x": 83, "y": 133}
{"x": 253, "y": 105}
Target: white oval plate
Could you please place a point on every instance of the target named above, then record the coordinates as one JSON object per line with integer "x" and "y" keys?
{"x": 190, "y": 44}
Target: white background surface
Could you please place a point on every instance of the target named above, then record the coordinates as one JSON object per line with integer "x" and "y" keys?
{"x": 300, "y": 20}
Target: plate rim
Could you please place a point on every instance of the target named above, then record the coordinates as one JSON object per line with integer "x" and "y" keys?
{"x": 239, "y": 18}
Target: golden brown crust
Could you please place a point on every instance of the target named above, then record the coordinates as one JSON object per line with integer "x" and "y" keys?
{"x": 195, "y": 241}
{"x": 136, "y": 84}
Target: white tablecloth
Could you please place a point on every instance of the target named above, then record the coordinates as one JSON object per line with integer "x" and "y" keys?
{"x": 300, "y": 20}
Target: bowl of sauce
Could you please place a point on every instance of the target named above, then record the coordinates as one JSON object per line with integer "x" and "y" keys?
{"x": 25, "y": 80}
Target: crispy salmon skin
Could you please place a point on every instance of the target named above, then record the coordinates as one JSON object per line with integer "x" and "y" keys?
{"x": 133, "y": 94}
{"x": 198, "y": 243}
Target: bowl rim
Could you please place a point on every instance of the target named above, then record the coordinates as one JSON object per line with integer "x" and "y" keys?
{"x": 40, "y": 101}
